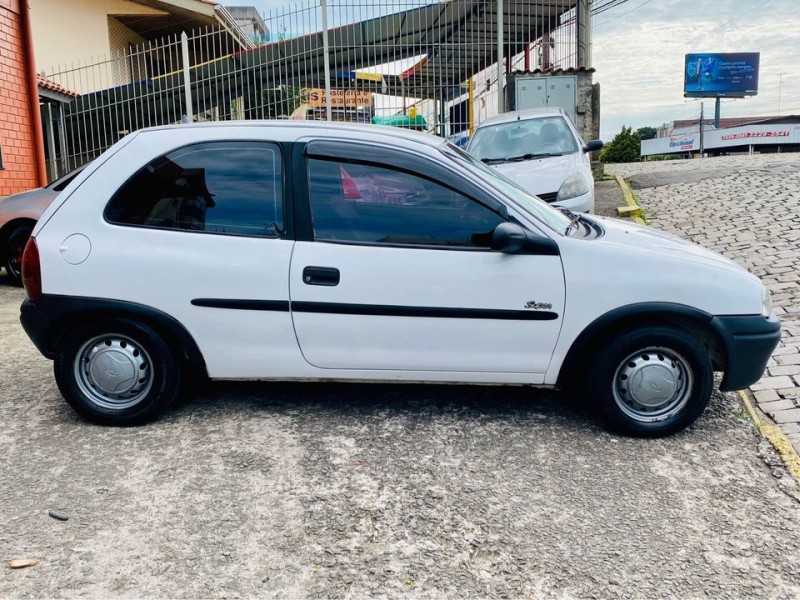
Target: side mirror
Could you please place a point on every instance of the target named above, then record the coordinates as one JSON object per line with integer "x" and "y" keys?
{"x": 508, "y": 238}
{"x": 593, "y": 146}
{"x": 511, "y": 238}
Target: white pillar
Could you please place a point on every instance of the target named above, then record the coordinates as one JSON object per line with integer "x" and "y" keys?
{"x": 326, "y": 51}
{"x": 187, "y": 82}
{"x": 501, "y": 105}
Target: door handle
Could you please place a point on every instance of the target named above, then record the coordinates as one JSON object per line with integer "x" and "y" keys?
{"x": 321, "y": 276}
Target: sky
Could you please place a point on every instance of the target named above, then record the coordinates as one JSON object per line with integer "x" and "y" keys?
{"x": 639, "y": 57}
{"x": 638, "y": 51}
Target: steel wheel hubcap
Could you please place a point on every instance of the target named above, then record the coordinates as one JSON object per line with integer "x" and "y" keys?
{"x": 652, "y": 384}
{"x": 113, "y": 371}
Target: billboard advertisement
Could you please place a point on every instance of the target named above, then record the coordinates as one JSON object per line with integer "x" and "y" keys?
{"x": 732, "y": 75}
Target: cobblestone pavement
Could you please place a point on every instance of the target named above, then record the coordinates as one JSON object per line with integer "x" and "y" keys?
{"x": 750, "y": 212}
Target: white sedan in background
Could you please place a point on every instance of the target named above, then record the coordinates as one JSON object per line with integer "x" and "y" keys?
{"x": 540, "y": 150}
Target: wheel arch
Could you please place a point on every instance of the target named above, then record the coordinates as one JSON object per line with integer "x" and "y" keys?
{"x": 8, "y": 227}
{"x": 62, "y": 312}
{"x": 634, "y": 316}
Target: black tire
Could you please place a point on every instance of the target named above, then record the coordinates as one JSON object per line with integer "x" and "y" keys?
{"x": 651, "y": 382}
{"x": 91, "y": 359}
{"x": 12, "y": 251}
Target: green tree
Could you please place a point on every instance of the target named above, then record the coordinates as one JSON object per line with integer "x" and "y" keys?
{"x": 647, "y": 133}
{"x": 623, "y": 148}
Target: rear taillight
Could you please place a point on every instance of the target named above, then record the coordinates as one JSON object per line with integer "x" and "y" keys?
{"x": 31, "y": 270}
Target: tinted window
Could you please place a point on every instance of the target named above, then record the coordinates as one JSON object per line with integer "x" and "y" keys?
{"x": 219, "y": 187}
{"x": 367, "y": 203}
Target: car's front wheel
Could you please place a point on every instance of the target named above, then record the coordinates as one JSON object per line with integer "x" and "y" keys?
{"x": 651, "y": 382}
{"x": 117, "y": 372}
{"x": 14, "y": 247}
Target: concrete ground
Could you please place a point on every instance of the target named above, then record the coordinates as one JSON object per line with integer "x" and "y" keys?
{"x": 348, "y": 491}
{"x": 607, "y": 197}
{"x": 747, "y": 208}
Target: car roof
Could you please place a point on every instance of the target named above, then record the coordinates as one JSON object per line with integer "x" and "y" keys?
{"x": 522, "y": 115}
{"x": 305, "y": 128}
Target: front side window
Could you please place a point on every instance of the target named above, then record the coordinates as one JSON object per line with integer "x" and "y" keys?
{"x": 523, "y": 140}
{"x": 217, "y": 187}
{"x": 355, "y": 202}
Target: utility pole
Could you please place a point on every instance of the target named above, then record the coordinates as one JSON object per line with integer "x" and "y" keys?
{"x": 701, "y": 129}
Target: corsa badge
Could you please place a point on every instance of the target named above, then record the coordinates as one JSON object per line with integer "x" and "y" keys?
{"x": 538, "y": 305}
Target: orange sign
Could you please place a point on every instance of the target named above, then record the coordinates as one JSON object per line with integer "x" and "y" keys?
{"x": 315, "y": 97}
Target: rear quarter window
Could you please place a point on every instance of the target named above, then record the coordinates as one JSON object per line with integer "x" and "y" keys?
{"x": 232, "y": 188}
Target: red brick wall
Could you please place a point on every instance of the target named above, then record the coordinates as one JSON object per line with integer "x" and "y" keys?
{"x": 16, "y": 132}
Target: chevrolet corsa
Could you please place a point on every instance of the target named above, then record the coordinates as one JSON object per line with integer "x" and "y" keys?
{"x": 297, "y": 251}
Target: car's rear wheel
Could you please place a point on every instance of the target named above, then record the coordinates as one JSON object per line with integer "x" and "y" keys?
{"x": 651, "y": 382}
{"x": 117, "y": 372}
{"x": 14, "y": 247}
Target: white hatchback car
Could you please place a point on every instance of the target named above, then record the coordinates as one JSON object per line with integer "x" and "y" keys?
{"x": 297, "y": 251}
{"x": 540, "y": 150}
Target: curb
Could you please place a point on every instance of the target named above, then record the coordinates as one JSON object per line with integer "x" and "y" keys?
{"x": 631, "y": 208}
{"x": 772, "y": 433}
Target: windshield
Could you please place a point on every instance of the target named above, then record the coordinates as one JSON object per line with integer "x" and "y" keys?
{"x": 523, "y": 140}
{"x": 551, "y": 217}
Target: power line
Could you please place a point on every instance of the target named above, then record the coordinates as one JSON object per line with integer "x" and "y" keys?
{"x": 626, "y": 13}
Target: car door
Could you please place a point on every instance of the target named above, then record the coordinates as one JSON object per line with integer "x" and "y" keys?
{"x": 395, "y": 272}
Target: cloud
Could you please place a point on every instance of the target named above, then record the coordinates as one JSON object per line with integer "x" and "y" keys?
{"x": 639, "y": 59}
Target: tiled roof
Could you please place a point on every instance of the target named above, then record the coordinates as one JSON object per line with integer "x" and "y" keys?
{"x": 54, "y": 87}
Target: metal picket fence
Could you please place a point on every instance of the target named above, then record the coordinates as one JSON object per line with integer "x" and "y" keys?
{"x": 427, "y": 65}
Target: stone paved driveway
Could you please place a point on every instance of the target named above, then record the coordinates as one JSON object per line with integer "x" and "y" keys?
{"x": 747, "y": 208}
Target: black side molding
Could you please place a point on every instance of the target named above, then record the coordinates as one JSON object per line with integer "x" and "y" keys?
{"x": 382, "y": 310}
{"x": 233, "y": 303}
{"x": 385, "y": 310}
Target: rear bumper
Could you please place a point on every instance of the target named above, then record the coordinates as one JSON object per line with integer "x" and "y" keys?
{"x": 749, "y": 341}
{"x": 35, "y": 324}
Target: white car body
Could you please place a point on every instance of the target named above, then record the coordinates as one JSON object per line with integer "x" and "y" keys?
{"x": 545, "y": 176}
{"x": 372, "y": 325}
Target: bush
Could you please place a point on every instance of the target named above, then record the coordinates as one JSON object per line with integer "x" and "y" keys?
{"x": 625, "y": 147}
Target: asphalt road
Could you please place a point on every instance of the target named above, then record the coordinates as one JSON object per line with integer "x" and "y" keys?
{"x": 312, "y": 490}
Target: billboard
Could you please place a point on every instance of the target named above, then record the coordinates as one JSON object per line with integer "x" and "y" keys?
{"x": 732, "y": 75}
{"x": 718, "y": 139}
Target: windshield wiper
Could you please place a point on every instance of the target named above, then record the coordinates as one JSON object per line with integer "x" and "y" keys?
{"x": 532, "y": 155}
{"x": 529, "y": 156}
{"x": 574, "y": 219}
